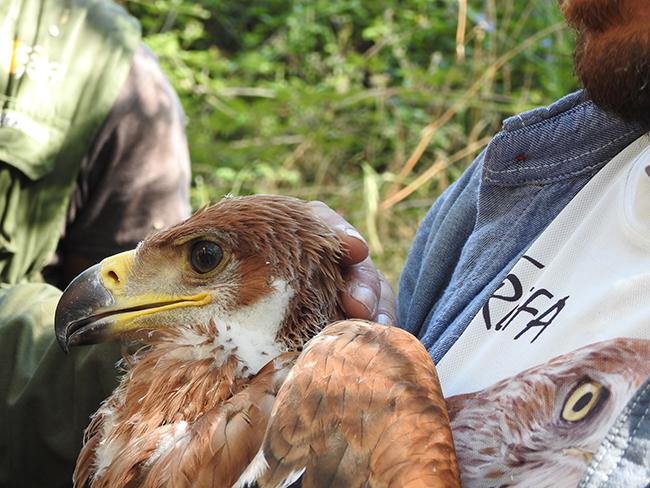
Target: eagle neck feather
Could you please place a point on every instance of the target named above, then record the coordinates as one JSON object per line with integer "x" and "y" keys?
{"x": 163, "y": 387}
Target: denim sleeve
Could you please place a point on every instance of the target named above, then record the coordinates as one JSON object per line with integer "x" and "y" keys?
{"x": 445, "y": 228}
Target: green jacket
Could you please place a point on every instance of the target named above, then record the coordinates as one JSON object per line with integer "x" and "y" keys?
{"x": 62, "y": 63}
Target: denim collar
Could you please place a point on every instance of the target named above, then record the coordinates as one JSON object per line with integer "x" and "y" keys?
{"x": 566, "y": 139}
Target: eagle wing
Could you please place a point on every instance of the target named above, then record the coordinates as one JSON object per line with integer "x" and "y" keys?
{"x": 361, "y": 407}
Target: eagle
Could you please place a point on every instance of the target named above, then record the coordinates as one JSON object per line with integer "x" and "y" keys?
{"x": 245, "y": 374}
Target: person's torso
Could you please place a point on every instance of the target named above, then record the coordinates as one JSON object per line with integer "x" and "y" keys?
{"x": 539, "y": 376}
{"x": 61, "y": 66}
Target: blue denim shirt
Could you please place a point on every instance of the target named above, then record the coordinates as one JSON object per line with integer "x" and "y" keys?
{"x": 479, "y": 228}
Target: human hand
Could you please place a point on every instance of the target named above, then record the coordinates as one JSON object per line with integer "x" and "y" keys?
{"x": 368, "y": 293}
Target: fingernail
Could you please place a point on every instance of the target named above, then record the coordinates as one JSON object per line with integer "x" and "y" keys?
{"x": 365, "y": 297}
{"x": 352, "y": 232}
{"x": 384, "y": 319}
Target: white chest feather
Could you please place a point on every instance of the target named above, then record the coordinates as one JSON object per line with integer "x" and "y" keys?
{"x": 249, "y": 333}
{"x": 252, "y": 330}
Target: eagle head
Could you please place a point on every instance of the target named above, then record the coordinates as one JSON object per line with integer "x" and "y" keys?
{"x": 250, "y": 276}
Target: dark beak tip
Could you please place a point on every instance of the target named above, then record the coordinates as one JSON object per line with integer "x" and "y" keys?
{"x": 83, "y": 296}
{"x": 61, "y": 328}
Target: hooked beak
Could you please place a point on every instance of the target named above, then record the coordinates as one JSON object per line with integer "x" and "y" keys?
{"x": 97, "y": 305}
{"x": 76, "y": 320}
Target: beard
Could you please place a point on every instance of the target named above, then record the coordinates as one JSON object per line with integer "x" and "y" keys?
{"x": 616, "y": 77}
{"x": 612, "y": 56}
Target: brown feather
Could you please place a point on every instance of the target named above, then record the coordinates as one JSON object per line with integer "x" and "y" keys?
{"x": 222, "y": 442}
{"x": 362, "y": 407}
{"x": 84, "y": 468}
{"x": 157, "y": 392}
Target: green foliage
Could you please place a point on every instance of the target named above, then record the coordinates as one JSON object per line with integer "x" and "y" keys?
{"x": 327, "y": 99}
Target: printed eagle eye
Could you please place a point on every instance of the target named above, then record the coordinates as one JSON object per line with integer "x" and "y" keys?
{"x": 583, "y": 400}
{"x": 205, "y": 256}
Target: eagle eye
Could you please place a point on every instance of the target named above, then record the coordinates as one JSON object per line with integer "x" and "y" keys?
{"x": 583, "y": 400}
{"x": 205, "y": 256}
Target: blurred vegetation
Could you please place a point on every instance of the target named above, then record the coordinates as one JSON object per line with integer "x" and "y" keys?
{"x": 329, "y": 99}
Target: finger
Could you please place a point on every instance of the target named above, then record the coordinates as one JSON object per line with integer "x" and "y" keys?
{"x": 355, "y": 246}
{"x": 386, "y": 310}
{"x": 361, "y": 298}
